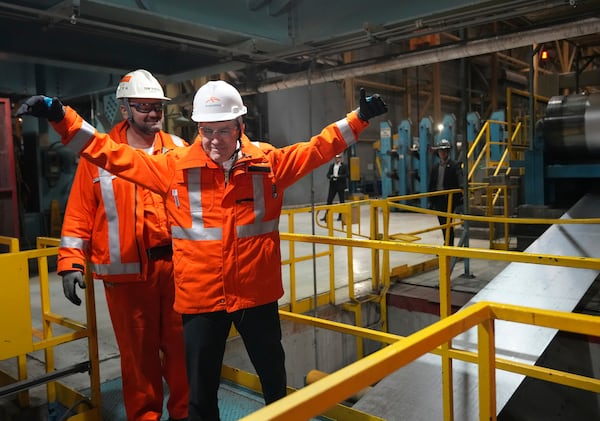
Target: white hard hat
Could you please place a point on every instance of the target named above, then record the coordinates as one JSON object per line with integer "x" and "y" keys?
{"x": 217, "y": 100}
{"x": 140, "y": 84}
{"x": 444, "y": 144}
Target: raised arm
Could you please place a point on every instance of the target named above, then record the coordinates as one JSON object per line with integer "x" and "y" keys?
{"x": 151, "y": 172}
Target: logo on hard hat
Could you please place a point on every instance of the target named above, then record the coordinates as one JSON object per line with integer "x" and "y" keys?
{"x": 213, "y": 99}
{"x": 126, "y": 78}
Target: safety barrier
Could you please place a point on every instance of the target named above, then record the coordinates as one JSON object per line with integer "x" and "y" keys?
{"x": 436, "y": 338}
{"x": 315, "y": 398}
{"x": 20, "y": 337}
{"x": 340, "y": 243}
{"x": 11, "y": 243}
{"x": 380, "y": 241}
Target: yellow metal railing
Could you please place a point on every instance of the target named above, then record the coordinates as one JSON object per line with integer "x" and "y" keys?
{"x": 331, "y": 247}
{"x": 11, "y": 243}
{"x": 20, "y": 337}
{"x": 381, "y": 242}
{"x": 513, "y": 148}
{"x": 313, "y": 399}
{"x": 5, "y": 378}
{"x": 382, "y": 246}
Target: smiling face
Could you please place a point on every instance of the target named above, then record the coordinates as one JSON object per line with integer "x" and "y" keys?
{"x": 146, "y": 115}
{"x": 219, "y": 139}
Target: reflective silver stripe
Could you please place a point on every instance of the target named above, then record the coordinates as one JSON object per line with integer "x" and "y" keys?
{"x": 197, "y": 232}
{"x": 112, "y": 217}
{"x": 346, "y": 131}
{"x": 177, "y": 140}
{"x": 116, "y": 268}
{"x": 259, "y": 226}
{"x": 114, "y": 240}
{"x": 74, "y": 243}
{"x": 82, "y": 137}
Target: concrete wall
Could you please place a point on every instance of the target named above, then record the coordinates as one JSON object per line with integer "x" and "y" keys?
{"x": 292, "y": 119}
{"x": 296, "y": 114}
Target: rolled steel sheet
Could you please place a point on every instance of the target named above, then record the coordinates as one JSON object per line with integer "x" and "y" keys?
{"x": 572, "y": 128}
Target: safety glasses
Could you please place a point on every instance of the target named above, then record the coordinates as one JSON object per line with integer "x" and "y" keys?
{"x": 221, "y": 133}
{"x": 146, "y": 107}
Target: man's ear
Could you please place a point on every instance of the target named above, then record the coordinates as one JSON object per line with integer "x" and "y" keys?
{"x": 123, "y": 112}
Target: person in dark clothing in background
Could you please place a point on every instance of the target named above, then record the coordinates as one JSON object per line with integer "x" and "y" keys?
{"x": 337, "y": 175}
{"x": 446, "y": 174}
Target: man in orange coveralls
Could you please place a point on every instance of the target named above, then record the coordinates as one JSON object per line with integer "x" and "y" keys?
{"x": 122, "y": 229}
{"x": 223, "y": 196}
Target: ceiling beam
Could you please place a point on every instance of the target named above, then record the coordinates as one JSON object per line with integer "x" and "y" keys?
{"x": 441, "y": 54}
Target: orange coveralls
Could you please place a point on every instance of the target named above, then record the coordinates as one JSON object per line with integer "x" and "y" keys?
{"x": 226, "y": 245}
{"x": 225, "y": 234}
{"x": 122, "y": 230}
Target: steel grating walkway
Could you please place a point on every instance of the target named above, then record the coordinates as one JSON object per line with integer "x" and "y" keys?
{"x": 235, "y": 402}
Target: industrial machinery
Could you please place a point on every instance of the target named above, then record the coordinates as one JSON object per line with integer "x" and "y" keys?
{"x": 565, "y": 151}
{"x": 405, "y": 161}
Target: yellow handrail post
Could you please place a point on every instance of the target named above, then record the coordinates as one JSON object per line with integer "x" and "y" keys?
{"x": 384, "y": 280}
{"x": 331, "y": 260}
{"x": 292, "y": 260}
{"x": 445, "y": 311}
{"x": 487, "y": 370}
{"x": 374, "y": 235}
{"x": 90, "y": 306}
{"x": 349, "y": 254}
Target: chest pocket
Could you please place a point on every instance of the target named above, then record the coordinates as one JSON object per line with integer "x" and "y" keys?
{"x": 187, "y": 199}
{"x": 251, "y": 202}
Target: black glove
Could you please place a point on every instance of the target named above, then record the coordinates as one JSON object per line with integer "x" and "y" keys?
{"x": 42, "y": 107}
{"x": 69, "y": 280}
{"x": 370, "y": 107}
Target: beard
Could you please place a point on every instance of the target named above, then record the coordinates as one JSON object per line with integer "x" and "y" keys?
{"x": 148, "y": 127}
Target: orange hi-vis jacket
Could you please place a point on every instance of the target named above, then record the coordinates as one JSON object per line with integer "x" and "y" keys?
{"x": 225, "y": 230}
{"x": 104, "y": 220}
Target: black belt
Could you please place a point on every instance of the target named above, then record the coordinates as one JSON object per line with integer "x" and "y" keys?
{"x": 160, "y": 252}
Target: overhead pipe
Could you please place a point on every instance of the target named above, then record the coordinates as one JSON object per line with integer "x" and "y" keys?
{"x": 441, "y": 54}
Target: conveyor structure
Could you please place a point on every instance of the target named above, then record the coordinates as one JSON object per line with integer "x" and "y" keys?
{"x": 565, "y": 152}
{"x": 415, "y": 390}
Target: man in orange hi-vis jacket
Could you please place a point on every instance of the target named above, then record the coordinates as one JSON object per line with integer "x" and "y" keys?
{"x": 122, "y": 230}
{"x": 223, "y": 196}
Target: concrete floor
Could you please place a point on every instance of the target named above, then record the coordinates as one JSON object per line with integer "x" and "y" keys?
{"x": 312, "y": 277}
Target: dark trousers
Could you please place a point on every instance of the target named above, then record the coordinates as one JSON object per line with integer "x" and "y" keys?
{"x": 442, "y": 220}
{"x": 205, "y": 337}
{"x": 440, "y": 203}
{"x": 336, "y": 187}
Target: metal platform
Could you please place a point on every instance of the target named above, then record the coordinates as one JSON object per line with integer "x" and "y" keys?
{"x": 235, "y": 402}
{"x": 415, "y": 390}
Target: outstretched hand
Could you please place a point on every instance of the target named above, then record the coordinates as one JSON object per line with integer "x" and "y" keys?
{"x": 371, "y": 106}
{"x": 42, "y": 107}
